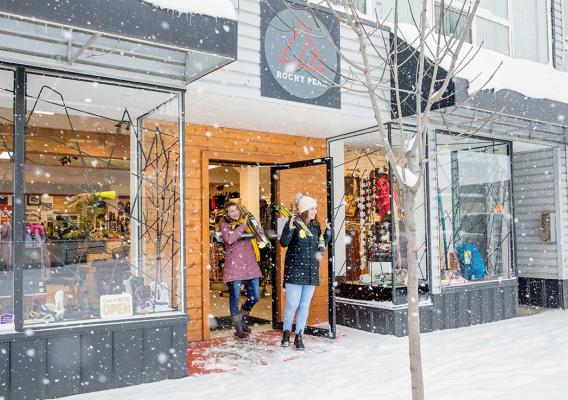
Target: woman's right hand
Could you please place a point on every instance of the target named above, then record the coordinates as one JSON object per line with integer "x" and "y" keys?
{"x": 292, "y": 226}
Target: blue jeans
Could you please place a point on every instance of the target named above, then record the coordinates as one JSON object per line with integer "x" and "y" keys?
{"x": 298, "y": 299}
{"x": 252, "y": 288}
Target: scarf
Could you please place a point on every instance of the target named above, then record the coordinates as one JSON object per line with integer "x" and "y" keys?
{"x": 253, "y": 241}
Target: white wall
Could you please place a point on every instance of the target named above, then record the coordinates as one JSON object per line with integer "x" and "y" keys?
{"x": 231, "y": 97}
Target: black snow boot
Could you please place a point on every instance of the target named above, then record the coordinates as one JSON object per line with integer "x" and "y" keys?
{"x": 237, "y": 324}
{"x": 298, "y": 342}
{"x": 244, "y": 314}
{"x": 285, "y": 339}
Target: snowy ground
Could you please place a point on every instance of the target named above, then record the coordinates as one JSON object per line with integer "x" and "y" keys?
{"x": 522, "y": 358}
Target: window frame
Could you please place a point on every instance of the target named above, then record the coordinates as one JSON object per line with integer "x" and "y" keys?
{"x": 369, "y": 7}
{"x": 21, "y": 73}
{"x": 507, "y": 22}
{"x": 434, "y": 221}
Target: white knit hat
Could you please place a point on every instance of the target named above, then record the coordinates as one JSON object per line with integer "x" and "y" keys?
{"x": 306, "y": 203}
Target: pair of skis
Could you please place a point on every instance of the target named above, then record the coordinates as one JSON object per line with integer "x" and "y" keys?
{"x": 298, "y": 222}
{"x": 256, "y": 228}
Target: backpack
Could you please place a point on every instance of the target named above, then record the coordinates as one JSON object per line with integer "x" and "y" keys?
{"x": 472, "y": 264}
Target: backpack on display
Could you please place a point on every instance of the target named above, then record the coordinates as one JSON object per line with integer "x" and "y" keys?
{"x": 472, "y": 264}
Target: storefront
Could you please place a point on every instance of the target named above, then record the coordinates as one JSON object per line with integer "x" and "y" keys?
{"x": 257, "y": 136}
{"x": 92, "y": 191}
{"x": 491, "y": 216}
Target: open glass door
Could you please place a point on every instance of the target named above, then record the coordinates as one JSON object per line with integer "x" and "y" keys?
{"x": 310, "y": 178}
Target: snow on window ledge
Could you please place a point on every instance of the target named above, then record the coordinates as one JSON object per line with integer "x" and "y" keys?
{"x": 213, "y": 8}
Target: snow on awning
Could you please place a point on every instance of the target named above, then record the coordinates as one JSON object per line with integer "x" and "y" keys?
{"x": 170, "y": 41}
{"x": 214, "y": 8}
{"x": 489, "y": 77}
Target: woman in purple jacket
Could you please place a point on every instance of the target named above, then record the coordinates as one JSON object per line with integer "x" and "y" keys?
{"x": 240, "y": 266}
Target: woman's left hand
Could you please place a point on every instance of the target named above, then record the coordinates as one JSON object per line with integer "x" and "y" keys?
{"x": 327, "y": 224}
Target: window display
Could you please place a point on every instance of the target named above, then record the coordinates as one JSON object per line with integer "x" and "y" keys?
{"x": 370, "y": 238}
{"x": 102, "y": 203}
{"x": 474, "y": 206}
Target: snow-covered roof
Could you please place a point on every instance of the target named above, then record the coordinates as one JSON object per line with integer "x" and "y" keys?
{"x": 477, "y": 65}
{"x": 214, "y": 8}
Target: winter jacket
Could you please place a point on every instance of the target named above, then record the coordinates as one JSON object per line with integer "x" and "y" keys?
{"x": 240, "y": 259}
{"x": 301, "y": 264}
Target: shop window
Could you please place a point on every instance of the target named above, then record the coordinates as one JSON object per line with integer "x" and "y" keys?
{"x": 6, "y": 198}
{"x": 455, "y": 22}
{"x": 362, "y": 6}
{"x": 492, "y": 35}
{"x": 499, "y": 8}
{"x": 474, "y": 207}
{"x": 370, "y": 241}
{"x": 102, "y": 233}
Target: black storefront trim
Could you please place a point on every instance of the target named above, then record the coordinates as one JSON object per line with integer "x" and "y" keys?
{"x": 539, "y": 292}
{"x": 455, "y": 307}
{"x": 64, "y": 361}
{"x": 137, "y": 20}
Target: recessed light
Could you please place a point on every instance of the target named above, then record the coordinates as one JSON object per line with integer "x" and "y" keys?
{"x": 87, "y": 100}
{"x": 44, "y": 112}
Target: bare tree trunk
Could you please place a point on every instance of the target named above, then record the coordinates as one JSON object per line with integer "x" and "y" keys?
{"x": 415, "y": 354}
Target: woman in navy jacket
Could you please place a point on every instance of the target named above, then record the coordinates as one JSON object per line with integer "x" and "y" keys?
{"x": 301, "y": 267}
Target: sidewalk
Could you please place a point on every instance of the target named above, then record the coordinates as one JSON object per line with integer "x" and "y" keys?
{"x": 231, "y": 354}
{"x": 525, "y": 358}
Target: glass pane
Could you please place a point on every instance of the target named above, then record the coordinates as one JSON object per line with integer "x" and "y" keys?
{"x": 399, "y": 142}
{"x": 530, "y": 30}
{"x": 6, "y": 198}
{"x": 454, "y": 23}
{"x": 360, "y": 5}
{"x": 500, "y": 8}
{"x": 157, "y": 205}
{"x": 474, "y": 205}
{"x": 408, "y": 10}
{"x": 492, "y": 36}
{"x": 91, "y": 177}
{"x": 362, "y": 219}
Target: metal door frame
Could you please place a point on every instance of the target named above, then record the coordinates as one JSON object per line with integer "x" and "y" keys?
{"x": 327, "y": 161}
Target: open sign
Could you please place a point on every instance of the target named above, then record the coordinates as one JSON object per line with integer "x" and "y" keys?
{"x": 116, "y": 305}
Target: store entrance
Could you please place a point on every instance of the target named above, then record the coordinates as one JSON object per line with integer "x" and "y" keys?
{"x": 311, "y": 178}
{"x": 249, "y": 186}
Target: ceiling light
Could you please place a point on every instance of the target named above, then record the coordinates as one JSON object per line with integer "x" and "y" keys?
{"x": 44, "y": 112}
{"x": 6, "y": 155}
{"x": 213, "y": 166}
{"x": 87, "y": 100}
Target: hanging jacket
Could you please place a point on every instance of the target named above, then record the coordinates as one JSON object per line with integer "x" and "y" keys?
{"x": 383, "y": 202}
{"x": 35, "y": 250}
{"x": 301, "y": 264}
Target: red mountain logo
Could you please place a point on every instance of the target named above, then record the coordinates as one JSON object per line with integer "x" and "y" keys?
{"x": 308, "y": 57}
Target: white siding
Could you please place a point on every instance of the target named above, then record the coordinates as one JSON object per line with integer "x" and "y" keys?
{"x": 231, "y": 96}
{"x": 558, "y": 34}
{"x": 534, "y": 189}
{"x": 563, "y": 210}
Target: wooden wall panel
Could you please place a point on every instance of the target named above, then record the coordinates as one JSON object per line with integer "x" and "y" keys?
{"x": 204, "y": 143}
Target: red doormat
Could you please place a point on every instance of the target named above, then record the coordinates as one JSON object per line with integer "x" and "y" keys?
{"x": 231, "y": 354}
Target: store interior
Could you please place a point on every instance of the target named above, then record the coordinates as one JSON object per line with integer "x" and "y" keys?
{"x": 369, "y": 264}
{"x": 101, "y": 234}
{"x": 249, "y": 186}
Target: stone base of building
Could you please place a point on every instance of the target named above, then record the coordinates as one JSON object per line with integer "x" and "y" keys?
{"x": 548, "y": 293}
{"x": 61, "y": 361}
{"x": 455, "y": 307}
